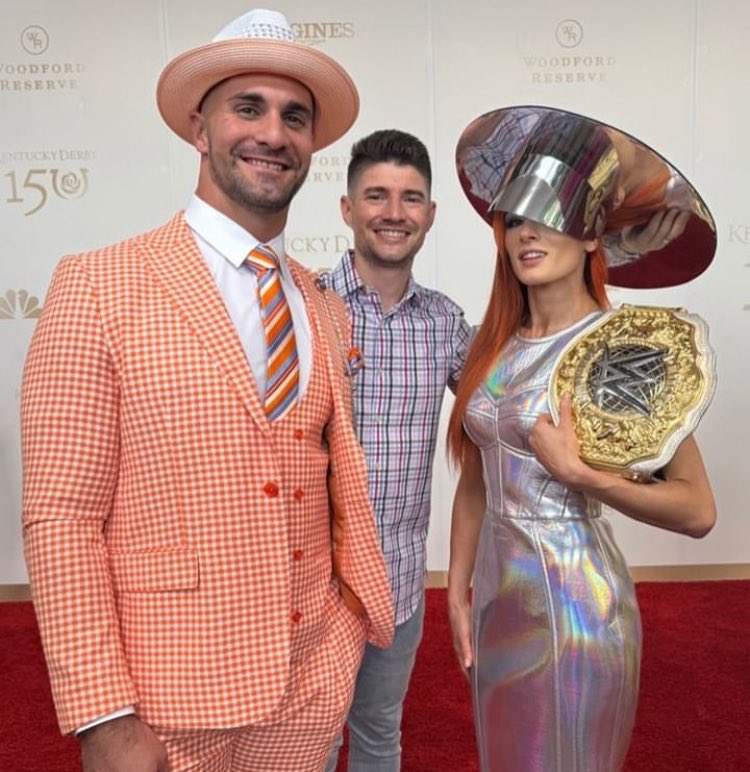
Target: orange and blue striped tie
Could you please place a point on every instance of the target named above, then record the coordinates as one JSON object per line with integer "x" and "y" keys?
{"x": 282, "y": 384}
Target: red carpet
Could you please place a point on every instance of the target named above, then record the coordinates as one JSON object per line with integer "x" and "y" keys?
{"x": 694, "y": 713}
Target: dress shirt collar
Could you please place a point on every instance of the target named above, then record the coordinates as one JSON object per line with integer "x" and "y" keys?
{"x": 345, "y": 275}
{"x": 227, "y": 237}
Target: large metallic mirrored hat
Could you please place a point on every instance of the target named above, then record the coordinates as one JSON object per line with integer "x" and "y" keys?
{"x": 587, "y": 179}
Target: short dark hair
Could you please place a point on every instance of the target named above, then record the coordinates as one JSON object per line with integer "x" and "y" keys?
{"x": 388, "y": 146}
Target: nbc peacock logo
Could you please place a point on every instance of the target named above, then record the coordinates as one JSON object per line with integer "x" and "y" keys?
{"x": 19, "y": 304}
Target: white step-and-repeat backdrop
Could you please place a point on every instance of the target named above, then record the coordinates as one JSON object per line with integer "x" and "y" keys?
{"x": 85, "y": 160}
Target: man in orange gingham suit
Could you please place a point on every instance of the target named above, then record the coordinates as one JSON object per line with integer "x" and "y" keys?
{"x": 205, "y": 574}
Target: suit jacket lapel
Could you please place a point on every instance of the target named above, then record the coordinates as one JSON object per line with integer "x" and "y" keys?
{"x": 182, "y": 271}
{"x": 322, "y": 327}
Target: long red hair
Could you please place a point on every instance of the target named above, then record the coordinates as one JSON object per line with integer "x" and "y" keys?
{"x": 506, "y": 311}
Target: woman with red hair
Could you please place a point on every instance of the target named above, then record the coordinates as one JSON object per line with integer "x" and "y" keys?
{"x": 550, "y": 635}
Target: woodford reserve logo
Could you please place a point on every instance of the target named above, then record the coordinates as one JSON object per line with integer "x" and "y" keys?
{"x": 328, "y": 167}
{"x": 37, "y": 73}
{"x": 35, "y": 40}
{"x": 569, "y": 64}
{"x": 325, "y": 167}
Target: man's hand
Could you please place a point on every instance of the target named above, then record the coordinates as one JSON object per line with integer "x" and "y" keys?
{"x": 663, "y": 227}
{"x": 122, "y": 745}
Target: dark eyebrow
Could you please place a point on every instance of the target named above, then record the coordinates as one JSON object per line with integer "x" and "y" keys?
{"x": 248, "y": 96}
{"x": 252, "y": 97}
{"x": 409, "y": 192}
{"x": 299, "y": 107}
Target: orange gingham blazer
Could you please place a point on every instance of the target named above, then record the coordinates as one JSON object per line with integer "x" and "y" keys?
{"x": 133, "y": 367}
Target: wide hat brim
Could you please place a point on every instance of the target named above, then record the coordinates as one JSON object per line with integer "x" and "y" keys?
{"x": 188, "y": 77}
{"x": 492, "y": 143}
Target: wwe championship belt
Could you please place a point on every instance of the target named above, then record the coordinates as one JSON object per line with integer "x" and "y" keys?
{"x": 640, "y": 378}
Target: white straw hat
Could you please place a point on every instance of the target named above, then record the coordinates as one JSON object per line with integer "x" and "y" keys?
{"x": 260, "y": 41}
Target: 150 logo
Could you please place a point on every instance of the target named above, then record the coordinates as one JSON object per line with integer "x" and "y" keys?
{"x": 33, "y": 187}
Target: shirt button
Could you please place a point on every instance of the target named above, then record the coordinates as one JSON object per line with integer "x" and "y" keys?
{"x": 299, "y": 434}
{"x": 271, "y": 489}
{"x": 297, "y": 554}
{"x": 299, "y": 494}
{"x": 296, "y": 617}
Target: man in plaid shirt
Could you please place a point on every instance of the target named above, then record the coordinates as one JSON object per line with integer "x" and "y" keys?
{"x": 413, "y": 341}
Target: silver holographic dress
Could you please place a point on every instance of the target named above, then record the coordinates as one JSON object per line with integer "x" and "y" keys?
{"x": 556, "y": 629}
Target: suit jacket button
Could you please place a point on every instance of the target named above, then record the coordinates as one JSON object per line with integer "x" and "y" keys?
{"x": 271, "y": 489}
{"x": 296, "y": 617}
{"x": 299, "y": 494}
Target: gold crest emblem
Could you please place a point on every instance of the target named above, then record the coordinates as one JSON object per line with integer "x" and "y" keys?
{"x": 641, "y": 378}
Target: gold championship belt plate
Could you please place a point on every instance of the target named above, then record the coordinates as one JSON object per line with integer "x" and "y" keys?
{"x": 641, "y": 378}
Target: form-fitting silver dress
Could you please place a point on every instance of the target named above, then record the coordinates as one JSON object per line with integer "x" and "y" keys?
{"x": 556, "y": 628}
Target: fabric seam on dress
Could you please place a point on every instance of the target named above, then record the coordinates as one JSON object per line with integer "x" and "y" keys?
{"x": 555, "y": 644}
{"x": 618, "y": 715}
{"x": 483, "y": 762}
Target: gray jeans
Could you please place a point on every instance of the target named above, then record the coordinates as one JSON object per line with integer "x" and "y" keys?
{"x": 375, "y": 715}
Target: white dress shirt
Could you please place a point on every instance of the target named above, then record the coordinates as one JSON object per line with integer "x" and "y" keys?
{"x": 224, "y": 245}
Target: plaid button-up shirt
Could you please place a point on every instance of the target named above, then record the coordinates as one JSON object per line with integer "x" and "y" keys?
{"x": 411, "y": 353}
